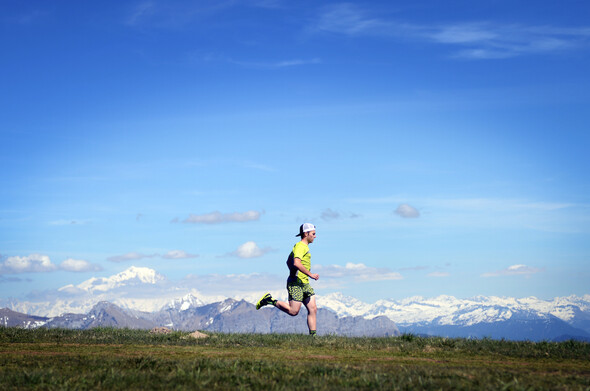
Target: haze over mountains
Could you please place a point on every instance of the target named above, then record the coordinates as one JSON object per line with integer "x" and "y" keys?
{"x": 142, "y": 298}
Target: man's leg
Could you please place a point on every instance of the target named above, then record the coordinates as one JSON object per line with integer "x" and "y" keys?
{"x": 312, "y": 311}
{"x": 292, "y": 307}
{"x": 295, "y": 298}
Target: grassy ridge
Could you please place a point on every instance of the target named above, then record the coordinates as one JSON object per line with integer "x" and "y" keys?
{"x": 136, "y": 359}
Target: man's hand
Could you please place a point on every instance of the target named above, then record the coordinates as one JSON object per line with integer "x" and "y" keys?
{"x": 315, "y": 276}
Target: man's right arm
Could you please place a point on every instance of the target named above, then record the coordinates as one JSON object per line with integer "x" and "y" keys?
{"x": 298, "y": 265}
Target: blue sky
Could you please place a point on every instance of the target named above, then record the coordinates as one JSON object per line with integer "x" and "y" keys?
{"x": 439, "y": 147}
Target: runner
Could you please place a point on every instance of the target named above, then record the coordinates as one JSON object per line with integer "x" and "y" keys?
{"x": 300, "y": 291}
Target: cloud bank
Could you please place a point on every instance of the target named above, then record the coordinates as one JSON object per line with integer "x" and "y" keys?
{"x": 38, "y": 263}
{"x": 472, "y": 40}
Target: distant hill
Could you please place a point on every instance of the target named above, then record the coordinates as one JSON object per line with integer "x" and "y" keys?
{"x": 9, "y": 318}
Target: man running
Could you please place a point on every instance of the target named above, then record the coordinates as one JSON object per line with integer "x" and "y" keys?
{"x": 300, "y": 291}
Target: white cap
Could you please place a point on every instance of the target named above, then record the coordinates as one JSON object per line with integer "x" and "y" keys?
{"x": 305, "y": 227}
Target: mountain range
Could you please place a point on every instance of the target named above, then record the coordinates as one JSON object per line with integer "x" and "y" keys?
{"x": 228, "y": 316}
{"x": 142, "y": 298}
{"x": 495, "y": 317}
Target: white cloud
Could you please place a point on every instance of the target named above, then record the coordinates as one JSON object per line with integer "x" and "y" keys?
{"x": 178, "y": 254}
{"x": 356, "y": 271}
{"x": 132, "y": 256}
{"x": 70, "y": 289}
{"x": 34, "y": 263}
{"x": 37, "y": 263}
{"x": 78, "y": 265}
{"x": 515, "y": 270}
{"x": 250, "y": 250}
{"x": 488, "y": 40}
{"x": 475, "y": 40}
{"x": 218, "y": 217}
{"x": 407, "y": 211}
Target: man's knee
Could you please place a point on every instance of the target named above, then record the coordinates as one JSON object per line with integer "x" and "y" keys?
{"x": 294, "y": 307}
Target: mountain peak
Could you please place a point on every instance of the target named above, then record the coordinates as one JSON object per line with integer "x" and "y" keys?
{"x": 143, "y": 274}
{"x": 129, "y": 276}
{"x": 184, "y": 303}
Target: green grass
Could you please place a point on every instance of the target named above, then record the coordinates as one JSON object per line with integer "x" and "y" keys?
{"x": 105, "y": 358}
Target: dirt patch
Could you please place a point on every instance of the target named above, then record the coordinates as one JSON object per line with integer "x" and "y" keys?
{"x": 198, "y": 335}
{"x": 160, "y": 330}
{"x": 166, "y": 330}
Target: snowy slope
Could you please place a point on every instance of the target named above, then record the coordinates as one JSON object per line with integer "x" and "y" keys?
{"x": 448, "y": 310}
{"x": 132, "y": 275}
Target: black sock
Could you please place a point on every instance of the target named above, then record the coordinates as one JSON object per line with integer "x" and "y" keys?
{"x": 312, "y": 332}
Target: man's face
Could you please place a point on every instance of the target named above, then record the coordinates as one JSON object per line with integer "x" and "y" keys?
{"x": 310, "y": 236}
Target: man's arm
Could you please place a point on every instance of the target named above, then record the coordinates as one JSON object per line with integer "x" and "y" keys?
{"x": 299, "y": 266}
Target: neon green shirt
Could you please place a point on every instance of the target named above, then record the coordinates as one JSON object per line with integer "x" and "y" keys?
{"x": 301, "y": 251}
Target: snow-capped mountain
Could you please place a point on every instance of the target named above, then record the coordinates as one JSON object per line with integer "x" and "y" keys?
{"x": 142, "y": 290}
{"x": 131, "y": 276}
{"x": 228, "y": 316}
{"x": 184, "y": 303}
{"x": 420, "y": 314}
{"x": 450, "y": 310}
{"x": 137, "y": 288}
{"x": 509, "y": 318}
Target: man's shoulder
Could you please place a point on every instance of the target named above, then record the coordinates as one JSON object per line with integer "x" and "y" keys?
{"x": 300, "y": 246}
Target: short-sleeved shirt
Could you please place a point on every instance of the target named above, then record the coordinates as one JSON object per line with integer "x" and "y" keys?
{"x": 301, "y": 251}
